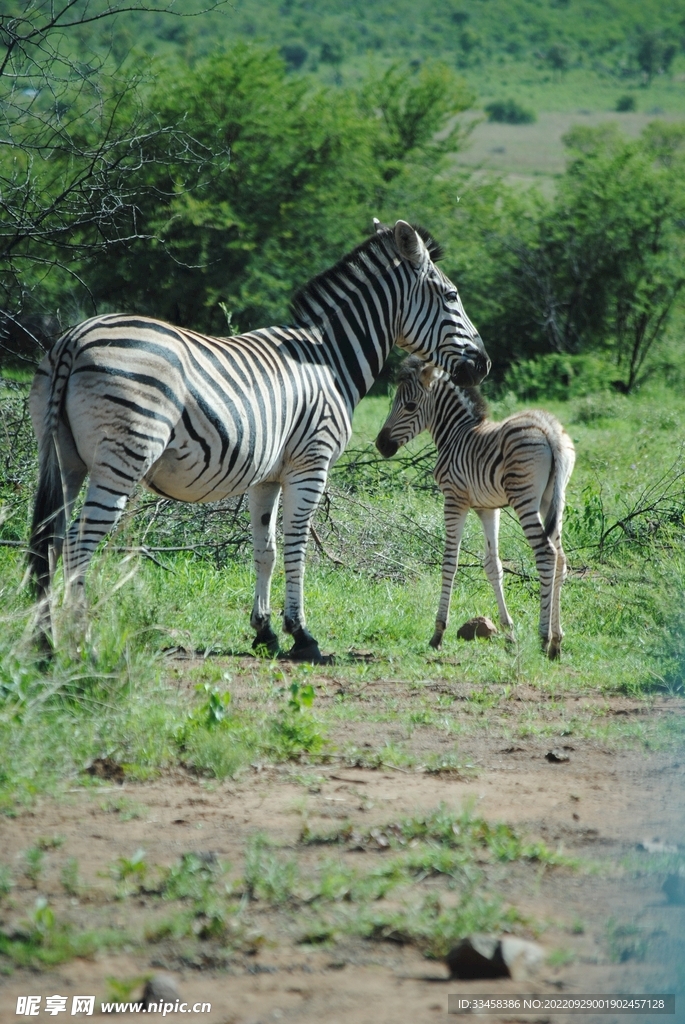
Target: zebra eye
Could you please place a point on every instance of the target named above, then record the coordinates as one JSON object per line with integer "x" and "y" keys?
{"x": 452, "y": 296}
{"x": 410, "y": 406}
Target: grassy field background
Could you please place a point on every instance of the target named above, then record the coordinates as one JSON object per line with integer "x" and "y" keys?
{"x": 374, "y": 586}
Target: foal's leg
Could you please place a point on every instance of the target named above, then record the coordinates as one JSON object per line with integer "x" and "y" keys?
{"x": 455, "y": 517}
{"x": 263, "y": 499}
{"x": 489, "y": 518}
{"x": 560, "y": 575}
{"x": 546, "y": 562}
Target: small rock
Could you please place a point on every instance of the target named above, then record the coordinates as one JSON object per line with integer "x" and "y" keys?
{"x": 522, "y": 957}
{"x": 160, "y": 988}
{"x": 674, "y": 889}
{"x": 208, "y": 857}
{"x": 656, "y": 846}
{"x": 106, "y": 768}
{"x": 477, "y": 956}
{"x": 481, "y": 627}
{"x": 381, "y": 839}
{"x": 487, "y": 956}
{"x": 356, "y": 655}
{"x": 556, "y": 756}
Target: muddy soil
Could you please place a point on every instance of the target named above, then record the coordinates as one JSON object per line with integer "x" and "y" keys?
{"x": 603, "y": 806}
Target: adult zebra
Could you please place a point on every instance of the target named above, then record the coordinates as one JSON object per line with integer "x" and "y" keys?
{"x": 126, "y": 399}
{"x": 524, "y": 461}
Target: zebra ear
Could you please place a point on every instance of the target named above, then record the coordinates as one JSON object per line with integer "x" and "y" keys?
{"x": 428, "y": 375}
{"x": 409, "y": 244}
{"x": 378, "y": 227}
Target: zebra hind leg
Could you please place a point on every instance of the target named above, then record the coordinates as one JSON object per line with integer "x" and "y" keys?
{"x": 109, "y": 489}
{"x": 554, "y": 649}
{"x": 71, "y": 473}
{"x": 546, "y": 562}
{"x": 263, "y": 500}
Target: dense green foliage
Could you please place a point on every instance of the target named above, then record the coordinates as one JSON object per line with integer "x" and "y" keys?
{"x": 602, "y": 267}
{"x": 623, "y": 37}
{"x": 305, "y": 169}
{"x": 206, "y": 187}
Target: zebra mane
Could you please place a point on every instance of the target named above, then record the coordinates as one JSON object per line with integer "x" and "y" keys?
{"x": 471, "y": 398}
{"x": 408, "y": 369}
{"x": 382, "y": 244}
{"x": 474, "y": 401}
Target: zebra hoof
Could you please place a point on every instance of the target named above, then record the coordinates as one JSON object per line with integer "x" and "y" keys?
{"x": 554, "y": 650}
{"x": 265, "y": 644}
{"x": 307, "y": 651}
{"x": 436, "y": 640}
{"x": 44, "y": 648}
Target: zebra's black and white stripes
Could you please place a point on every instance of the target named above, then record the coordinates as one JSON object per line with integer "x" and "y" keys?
{"x": 124, "y": 399}
{"x": 525, "y": 462}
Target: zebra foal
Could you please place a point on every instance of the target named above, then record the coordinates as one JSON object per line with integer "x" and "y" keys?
{"x": 128, "y": 399}
{"x": 524, "y": 462}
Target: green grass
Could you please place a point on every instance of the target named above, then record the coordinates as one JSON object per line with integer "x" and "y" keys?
{"x": 42, "y": 941}
{"x": 116, "y": 695}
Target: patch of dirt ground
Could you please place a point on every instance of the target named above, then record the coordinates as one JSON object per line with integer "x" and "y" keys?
{"x": 605, "y": 924}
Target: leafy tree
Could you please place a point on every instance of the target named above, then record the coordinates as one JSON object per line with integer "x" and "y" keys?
{"x": 308, "y": 169}
{"x": 74, "y": 137}
{"x": 413, "y": 109}
{"x": 605, "y": 264}
{"x": 557, "y": 56}
{"x": 654, "y": 54}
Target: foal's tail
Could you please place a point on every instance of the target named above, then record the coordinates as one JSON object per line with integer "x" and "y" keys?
{"x": 563, "y": 458}
{"x": 49, "y": 520}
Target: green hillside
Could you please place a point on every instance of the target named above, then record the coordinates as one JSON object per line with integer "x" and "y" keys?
{"x": 601, "y": 36}
{"x": 554, "y": 50}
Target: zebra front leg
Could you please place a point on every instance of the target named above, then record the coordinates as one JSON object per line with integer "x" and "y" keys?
{"x": 489, "y": 518}
{"x": 301, "y": 495}
{"x": 455, "y": 517}
{"x": 263, "y": 500}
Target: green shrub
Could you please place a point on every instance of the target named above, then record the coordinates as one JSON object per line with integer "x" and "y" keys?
{"x": 557, "y": 377}
{"x": 509, "y": 112}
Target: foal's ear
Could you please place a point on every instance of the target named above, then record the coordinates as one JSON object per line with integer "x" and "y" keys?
{"x": 409, "y": 244}
{"x": 428, "y": 375}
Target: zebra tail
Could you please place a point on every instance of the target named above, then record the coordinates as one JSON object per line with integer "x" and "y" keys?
{"x": 49, "y": 520}
{"x": 553, "y": 513}
{"x": 563, "y": 458}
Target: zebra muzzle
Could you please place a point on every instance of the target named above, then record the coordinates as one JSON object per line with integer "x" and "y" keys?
{"x": 385, "y": 444}
{"x": 470, "y": 372}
